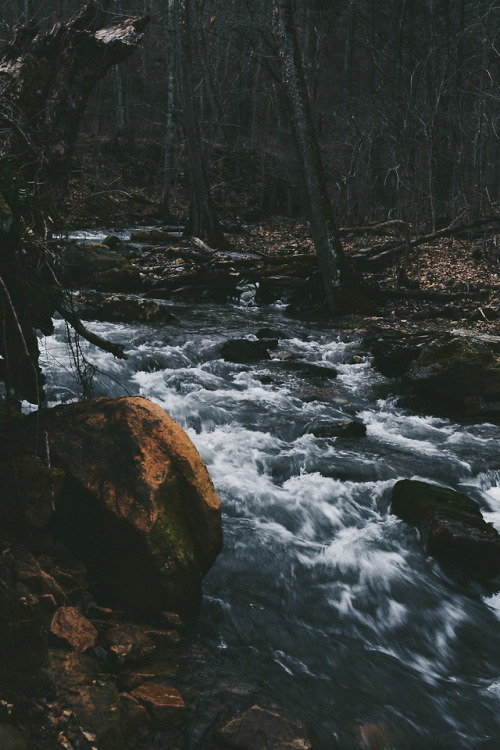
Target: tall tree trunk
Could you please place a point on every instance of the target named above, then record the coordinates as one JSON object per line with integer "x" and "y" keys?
{"x": 203, "y": 220}
{"x": 336, "y": 274}
{"x": 45, "y": 81}
{"x": 168, "y": 162}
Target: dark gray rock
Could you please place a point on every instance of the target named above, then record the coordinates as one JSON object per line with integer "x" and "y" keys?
{"x": 243, "y": 351}
{"x": 350, "y": 428}
{"x": 119, "y": 309}
{"x": 452, "y": 526}
{"x": 458, "y": 373}
{"x": 260, "y": 729}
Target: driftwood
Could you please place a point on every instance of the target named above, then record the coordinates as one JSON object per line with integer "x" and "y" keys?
{"x": 426, "y": 295}
{"x": 376, "y": 227}
{"x": 388, "y": 249}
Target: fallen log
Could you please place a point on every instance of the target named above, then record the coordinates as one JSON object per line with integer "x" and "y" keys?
{"x": 388, "y": 249}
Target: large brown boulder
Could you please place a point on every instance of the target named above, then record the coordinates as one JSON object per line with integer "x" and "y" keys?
{"x": 137, "y": 505}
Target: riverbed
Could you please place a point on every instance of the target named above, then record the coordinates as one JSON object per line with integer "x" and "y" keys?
{"x": 322, "y": 602}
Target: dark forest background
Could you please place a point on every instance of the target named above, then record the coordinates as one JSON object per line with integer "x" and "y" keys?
{"x": 405, "y": 94}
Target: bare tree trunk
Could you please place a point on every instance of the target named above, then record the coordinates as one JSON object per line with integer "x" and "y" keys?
{"x": 203, "y": 220}
{"x": 172, "y": 55}
{"x": 337, "y": 278}
{"x": 45, "y": 81}
{"x": 120, "y": 112}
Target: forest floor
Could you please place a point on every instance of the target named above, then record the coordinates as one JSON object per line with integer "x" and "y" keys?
{"x": 451, "y": 282}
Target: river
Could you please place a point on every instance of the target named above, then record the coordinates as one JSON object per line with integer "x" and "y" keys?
{"x": 322, "y": 602}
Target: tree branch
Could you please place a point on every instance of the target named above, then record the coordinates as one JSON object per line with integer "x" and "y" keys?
{"x": 93, "y": 338}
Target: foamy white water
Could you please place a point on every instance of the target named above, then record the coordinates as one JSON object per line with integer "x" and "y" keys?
{"x": 322, "y": 601}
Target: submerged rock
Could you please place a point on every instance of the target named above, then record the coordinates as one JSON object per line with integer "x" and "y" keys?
{"x": 243, "y": 351}
{"x": 349, "y": 428}
{"x": 310, "y": 370}
{"x": 380, "y": 736}
{"x": 164, "y": 703}
{"x": 452, "y": 526}
{"x": 137, "y": 506}
{"x": 260, "y": 729}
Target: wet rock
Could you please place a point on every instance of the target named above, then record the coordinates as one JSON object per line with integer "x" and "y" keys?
{"x": 270, "y": 333}
{"x": 22, "y": 620}
{"x": 119, "y": 309}
{"x": 310, "y": 370}
{"x": 260, "y": 729}
{"x": 163, "y": 637}
{"x": 173, "y": 620}
{"x": 91, "y": 695}
{"x": 137, "y": 719}
{"x": 393, "y": 352}
{"x": 452, "y": 526}
{"x": 12, "y": 738}
{"x": 29, "y": 572}
{"x": 69, "y": 573}
{"x": 73, "y": 629}
{"x": 98, "y": 266}
{"x": 137, "y": 507}
{"x": 119, "y": 280}
{"x": 380, "y": 737}
{"x": 243, "y": 351}
{"x": 164, "y": 703}
{"x": 112, "y": 241}
{"x": 453, "y": 369}
{"x": 350, "y": 428}
{"x": 128, "y": 642}
{"x": 153, "y": 236}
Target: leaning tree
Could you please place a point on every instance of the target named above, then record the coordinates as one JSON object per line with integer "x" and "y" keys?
{"x": 45, "y": 82}
{"x": 342, "y": 291}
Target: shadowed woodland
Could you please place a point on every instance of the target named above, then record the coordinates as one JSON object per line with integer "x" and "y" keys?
{"x": 349, "y": 114}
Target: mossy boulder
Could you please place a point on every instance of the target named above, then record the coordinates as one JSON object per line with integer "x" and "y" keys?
{"x": 452, "y": 526}
{"x": 96, "y": 265}
{"x": 137, "y": 505}
{"x": 119, "y": 309}
{"x": 458, "y": 372}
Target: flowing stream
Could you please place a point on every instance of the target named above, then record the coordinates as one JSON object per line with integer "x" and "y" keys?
{"x": 322, "y": 602}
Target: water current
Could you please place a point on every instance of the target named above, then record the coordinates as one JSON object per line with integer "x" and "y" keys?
{"x": 322, "y": 602}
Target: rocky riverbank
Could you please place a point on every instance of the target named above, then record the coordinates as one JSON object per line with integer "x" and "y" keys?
{"x": 109, "y": 521}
